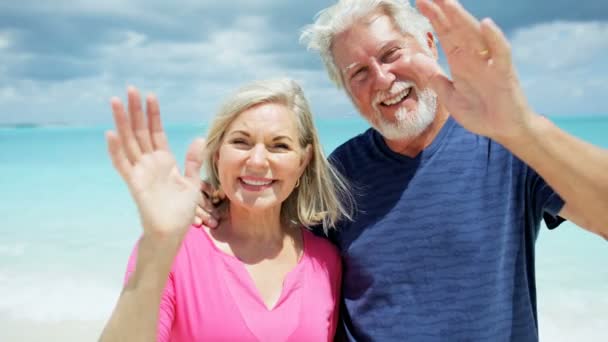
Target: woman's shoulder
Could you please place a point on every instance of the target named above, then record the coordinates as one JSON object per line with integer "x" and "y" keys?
{"x": 321, "y": 248}
{"x": 195, "y": 247}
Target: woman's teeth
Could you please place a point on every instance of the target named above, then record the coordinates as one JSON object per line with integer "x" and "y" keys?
{"x": 256, "y": 183}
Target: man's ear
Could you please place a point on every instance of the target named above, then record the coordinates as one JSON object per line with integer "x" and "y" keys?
{"x": 430, "y": 42}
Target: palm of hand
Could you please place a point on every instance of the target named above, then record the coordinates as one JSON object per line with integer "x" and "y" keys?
{"x": 484, "y": 94}
{"x": 488, "y": 104}
{"x": 165, "y": 198}
{"x": 139, "y": 150}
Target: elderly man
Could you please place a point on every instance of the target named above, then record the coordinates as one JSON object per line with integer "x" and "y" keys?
{"x": 453, "y": 179}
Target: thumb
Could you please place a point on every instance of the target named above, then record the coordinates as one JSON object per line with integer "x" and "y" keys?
{"x": 194, "y": 159}
{"x": 431, "y": 76}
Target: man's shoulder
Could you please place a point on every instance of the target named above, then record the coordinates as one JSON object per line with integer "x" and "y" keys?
{"x": 352, "y": 146}
{"x": 355, "y": 142}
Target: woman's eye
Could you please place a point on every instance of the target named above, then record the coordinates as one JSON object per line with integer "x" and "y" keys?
{"x": 238, "y": 142}
{"x": 281, "y": 146}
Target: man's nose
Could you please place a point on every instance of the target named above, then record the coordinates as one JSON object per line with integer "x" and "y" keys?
{"x": 383, "y": 77}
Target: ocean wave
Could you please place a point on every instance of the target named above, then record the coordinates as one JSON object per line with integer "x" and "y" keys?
{"x": 12, "y": 250}
{"x": 52, "y": 296}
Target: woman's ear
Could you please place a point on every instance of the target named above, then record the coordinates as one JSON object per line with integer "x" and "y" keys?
{"x": 306, "y": 157}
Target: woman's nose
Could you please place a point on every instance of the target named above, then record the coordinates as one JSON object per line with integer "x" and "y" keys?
{"x": 258, "y": 157}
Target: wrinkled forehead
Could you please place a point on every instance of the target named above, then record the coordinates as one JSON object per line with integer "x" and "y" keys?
{"x": 363, "y": 37}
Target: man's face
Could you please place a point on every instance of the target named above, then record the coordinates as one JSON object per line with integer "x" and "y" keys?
{"x": 373, "y": 57}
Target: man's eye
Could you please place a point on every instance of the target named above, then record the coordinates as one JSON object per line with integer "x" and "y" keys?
{"x": 391, "y": 55}
{"x": 359, "y": 75}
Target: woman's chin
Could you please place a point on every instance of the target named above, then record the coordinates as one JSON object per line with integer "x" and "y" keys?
{"x": 256, "y": 203}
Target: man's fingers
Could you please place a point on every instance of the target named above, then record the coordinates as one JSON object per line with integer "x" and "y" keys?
{"x": 458, "y": 31}
{"x": 207, "y": 189}
{"x": 500, "y": 49}
{"x": 218, "y": 197}
{"x": 117, "y": 155}
{"x": 438, "y": 20}
{"x": 159, "y": 138}
{"x": 194, "y": 159}
{"x": 136, "y": 115}
{"x": 203, "y": 217}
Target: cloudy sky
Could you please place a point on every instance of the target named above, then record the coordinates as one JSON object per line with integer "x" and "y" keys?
{"x": 61, "y": 60}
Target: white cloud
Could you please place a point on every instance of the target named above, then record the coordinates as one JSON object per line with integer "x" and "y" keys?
{"x": 189, "y": 77}
{"x": 562, "y": 66}
{"x": 134, "y": 39}
{"x": 560, "y": 44}
{"x": 160, "y": 11}
{"x": 239, "y": 48}
{"x": 5, "y": 40}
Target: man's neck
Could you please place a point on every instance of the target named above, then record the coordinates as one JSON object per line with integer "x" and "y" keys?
{"x": 411, "y": 147}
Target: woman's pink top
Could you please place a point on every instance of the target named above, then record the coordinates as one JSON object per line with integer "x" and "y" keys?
{"x": 210, "y": 296}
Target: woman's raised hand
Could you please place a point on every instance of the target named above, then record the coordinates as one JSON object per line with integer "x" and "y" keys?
{"x": 166, "y": 199}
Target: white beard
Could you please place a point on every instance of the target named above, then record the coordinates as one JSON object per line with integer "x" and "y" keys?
{"x": 408, "y": 124}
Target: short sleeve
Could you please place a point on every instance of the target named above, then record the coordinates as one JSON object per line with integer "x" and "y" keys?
{"x": 546, "y": 203}
{"x": 166, "y": 312}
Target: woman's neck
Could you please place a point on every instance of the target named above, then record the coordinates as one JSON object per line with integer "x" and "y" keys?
{"x": 260, "y": 226}
{"x": 256, "y": 236}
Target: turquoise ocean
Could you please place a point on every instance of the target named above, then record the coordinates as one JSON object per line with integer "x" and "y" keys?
{"x": 67, "y": 226}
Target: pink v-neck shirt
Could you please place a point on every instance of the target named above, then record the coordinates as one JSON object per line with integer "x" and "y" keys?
{"x": 210, "y": 296}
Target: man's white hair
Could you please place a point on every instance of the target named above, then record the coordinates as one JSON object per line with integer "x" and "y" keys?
{"x": 333, "y": 20}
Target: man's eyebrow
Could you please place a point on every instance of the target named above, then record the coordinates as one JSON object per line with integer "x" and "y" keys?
{"x": 349, "y": 67}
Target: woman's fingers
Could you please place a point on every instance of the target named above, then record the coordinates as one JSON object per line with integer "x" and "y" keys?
{"x": 159, "y": 138}
{"x": 138, "y": 121}
{"x": 125, "y": 133}
{"x": 117, "y": 155}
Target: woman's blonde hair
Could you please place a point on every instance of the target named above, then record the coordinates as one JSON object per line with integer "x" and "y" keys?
{"x": 323, "y": 196}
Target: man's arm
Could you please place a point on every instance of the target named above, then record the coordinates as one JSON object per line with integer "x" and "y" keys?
{"x": 485, "y": 97}
{"x": 576, "y": 170}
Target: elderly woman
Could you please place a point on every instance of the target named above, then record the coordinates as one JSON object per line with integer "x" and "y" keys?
{"x": 261, "y": 275}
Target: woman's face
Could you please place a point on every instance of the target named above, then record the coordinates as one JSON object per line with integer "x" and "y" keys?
{"x": 260, "y": 158}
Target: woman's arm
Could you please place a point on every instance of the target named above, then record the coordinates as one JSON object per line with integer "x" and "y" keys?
{"x": 136, "y": 316}
{"x": 166, "y": 201}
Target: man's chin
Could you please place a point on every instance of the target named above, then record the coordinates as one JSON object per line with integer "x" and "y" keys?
{"x": 407, "y": 126}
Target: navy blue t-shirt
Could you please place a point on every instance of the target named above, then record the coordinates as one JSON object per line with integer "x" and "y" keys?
{"x": 442, "y": 245}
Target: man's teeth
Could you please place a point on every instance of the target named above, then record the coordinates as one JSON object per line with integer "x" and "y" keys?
{"x": 400, "y": 96}
{"x": 256, "y": 183}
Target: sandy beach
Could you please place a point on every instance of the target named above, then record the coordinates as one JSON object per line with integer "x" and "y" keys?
{"x": 12, "y": 330}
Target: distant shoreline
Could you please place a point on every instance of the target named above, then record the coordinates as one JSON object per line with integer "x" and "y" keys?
{"x": 318, "y": 119}
{"x": 29, "y": 125}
